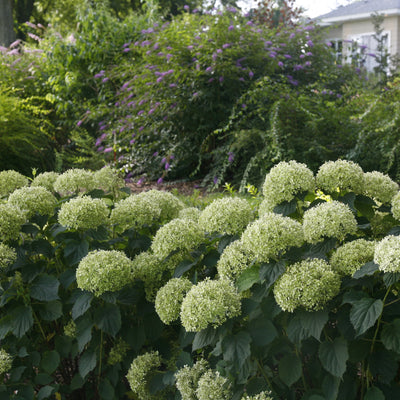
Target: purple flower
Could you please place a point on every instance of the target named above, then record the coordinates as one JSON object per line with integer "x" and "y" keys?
{"x": 226, "y": 45}
{"x": 190, "y": 47}
{"x": 108, "y": 150}
{"x": 126, "y": 44}
{"x": 268, "y": 43}
{"x": 141, "y": 128}
{"x": 231, "y": 28}
{"x": 280, "y": 64}
{"x": 215, "y": 180}
{"x": 195, "y": 94}
{"x": 338, "y": 96}
{"x": 310, "y": 43}
{"x": 297, "y": 67}
{"x": 172, "y": 85}
{"x": 195, "y": 11}
{"x": 329, "y": 44}
{"x": 100, "y": 74}
{"x": 272, "y": 54}
{"x": 302, "y": 56}
{"x": 219, "y": 51}
{"x": 145, "y": 43}
{"x": 210, "y": 80}
{"x": 166, "y": 166}
{"x": 208, "y": 69}
{"x": 168, "y": 56}
{"x": 371, "y": 55}
{"x": 250, "y": 23}
{"x": 151, "y": 111}
{"x": 132, "y": 141}
{"x": 79, "y": 123}
{"x": 231, "y": 157}
{"x": 140, "y": 181}
{"x": 140, "y": 112}
{"x": 214, "y": 56}
{"x": 251, "y": 74}
{"x": 159, "y": 79}
{"x": 155, "y": 154}
{"x": 159, "y": 181}
{"x": 221, "y": 79}
{"x": 186, "y": 7}
{"x": 105, "y": 80}
{"x": 307, "y": 63}
{"x": 101, "y": 148}
{"x": 244, "y": 105}
{"x": 309, "y": 54}
{"x": 292, "y": 35}
{"x": 127, "y": 50}
{"x": 288, "y": 56}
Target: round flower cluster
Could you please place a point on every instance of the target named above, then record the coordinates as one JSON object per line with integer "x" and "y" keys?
{"x": 328, "y": 220}
{"x": 187, "y": 379}
{"x": 287, "y": 179}
{"x": 118, "y": 352}
{"x": 396, "y": 206}
{"x": 7, "y": 255}
{"x": 5, "y": 362}
{"x": 259, "y": 396}
{"x": 74, "y": 181}
{"x": 70, "y": 329}
{"x": 169, "y": 299}
{"x": 228, "y": 216}
{"x": 104, "y": 270}
{"x": 177, "y": 235}
{"x": 140, "y": 371}
{"x": 192, "y": 213}
{"x": 209, "y": 302}
{"x": 11, "y": 220}
{"x": 108, "y": 179}
{"x": 271, "y": 235}
{"x": 341, "y": 174}
{"x": 380, "y": 187}
{"x": 266, "y": 206}
{"x": 83, "y": 213}
{"x": 134, "y": 212}
{"x": 46, "y": 180}
{"x": 350, "y": 257}
{"x": 11, "y": 180}
{"x": 309, "y": 284}
{"x": 233, "y": 261}
{"x": 387, "y": 254}
{"x": 213, "y": 386}
{"x": 32, "y": 200}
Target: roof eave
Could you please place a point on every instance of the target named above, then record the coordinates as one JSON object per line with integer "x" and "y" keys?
{"x": 355, "y": 17}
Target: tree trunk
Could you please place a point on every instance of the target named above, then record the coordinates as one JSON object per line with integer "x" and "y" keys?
{"x": 7, "y": 34}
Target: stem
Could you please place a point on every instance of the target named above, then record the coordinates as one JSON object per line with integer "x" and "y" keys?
{"x": 40, "y": 326}
{"x": 391, "y": 302}
{"x": 265, "y": 376}
{"x": 101, "y": 352}
{"x": 379, "y": 320}
{"x": 302, "y": 373}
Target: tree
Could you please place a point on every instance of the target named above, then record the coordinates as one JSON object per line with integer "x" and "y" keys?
{"x": 7, "y": 34}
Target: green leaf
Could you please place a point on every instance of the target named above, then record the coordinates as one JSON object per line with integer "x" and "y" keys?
{"x": 295, "y": 331}
{"x": 45, "y": 288}
{"x": 204, "y": 338}
{"x": 87, "y": 363}
{"x": 6, "y": 324}
{"x": 333, "y": 356}
{"x": 67, "y": 278}
{"x": 262, "y": 331}
{"x": 314, "y": 322}
{"x": 321, "y": 249}
{"x": 248, "y": 278}
{"x": 50, "y": 311}
{"x": 43, "y": 378}
{"x": 286, "y": 207}
{"x": 45, "y": 392}
{"x": 366, "y": 270}
{"x": 83, "y": 331}
{"x": 364, "y": 314}
{"x": 211, "y": 258}
{"x": 16, "y": 373}
{"x": 183, "y": 267}
{"x": 289, "y": 369}
{"x": 82, "y": 304}
{"x": 330, "y": 386}
{"x": 22, "y": 320}
{"x": 50, "y": 361}
{"x": 348, "y": 199}
{"x": 390, "y": 335}
{"x": 75, "y": 250}
{"x": 106, "y": 390}
{"x": 77, "y": 382}
{"x": 225, "y": 241}
{"x": 236, "y": 348}
{"x": 108, "y": 319}
{"x": 374, "y": 393}
{"x": 25, "y": 392}
{"x": 390, "y": 278}
{"x": 270, "y": 272}
{"x": 42, "y": 246}
{"x": 383, "y": 365}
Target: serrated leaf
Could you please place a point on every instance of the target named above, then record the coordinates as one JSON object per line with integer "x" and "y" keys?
{"x": 67, "y": 278}
{"x": 204, "y": 338}
{"x": 45, "y": 288}
{"x": 333, "y": 356}
{"x": 330, "y": 387}
{"x": 314, "y": 322}
{"x": 50, "y": 311}
{"x": 383, "y": 365}
{"x": 5, "y": 326}
{"x": 43, "y": 378}
{"x": 390, "y": 336}
{"x": 364, "y": 313}
{"x": 83, "y": 331}
{"x": 225, "y": 241}
{"x": 286, "y": 208}
{"x": 366, "y": 270}
{"x": 22, "y": 320}
{"x": 50, "y": 361}
{"x": 321, "y": 249}
{"x": 108, "y": 319}
{"x": 82, "y": 304}
{"x": 45, "y": 392}
{"x": 374, "y": 393}
{"x": 248, "y": 278}
{"x": 365, "y": 205}
{"x": 87, "y": 363}
{"x": 348, "y": 199}
{"x": 236, "y": 348}
{"x": 106, "y": 390}
{"x": 262, "y": 331}
{"x": 183, "y": 267}
{"x": 390, "y": 278}
{"x": 270, "y": 272}
{"x": 295, "y": 331}
{"x": 75, "y": 250}
{"x": 289, "y": 369}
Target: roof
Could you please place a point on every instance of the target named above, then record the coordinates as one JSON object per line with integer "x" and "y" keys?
{"x": 361, "y": 9}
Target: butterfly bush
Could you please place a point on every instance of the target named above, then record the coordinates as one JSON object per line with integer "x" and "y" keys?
{"x": 396, "y": 206}
{"x": 286, "y": 180}
{"x": 308, "y": 284}
{"x": 350, "y": 257}
{"x": 140, "y": 372}
{"x": 341, "y": 174}
{"x": 46, "y": 180}
{"x": 210, "y": 302}
{"x": 169, "y": 299}
{"x": 11, "y": 180}
{"x": 271, "y": 235}
{"x": 177, "y": 235}
{"x": 213, "y": 386}
{"x": 7, "y": 255}
{"x": 228, "y": 216}
{"x": 118, "y": 352}
{"x": 32, "y": 200}
{"x": 104, "y": 270}
{"x": 5, "y": 362}
{"x": 74, "y": 181}
{"x": 187, "y": 379}
{"x": 83, "y": 213}
{"x": 380, "y": 187}
{"x": 387, "y": 254}
{"x": 233, "y": 261}
{"x": 328, "y": 220}
{"x": 108, "y": 179}
{"x": 259, "y": 396}
{"x": 192, "y": 213}
{"x": 11, "y": 220}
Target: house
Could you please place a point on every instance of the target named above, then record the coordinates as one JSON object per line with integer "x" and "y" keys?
{"x": 352, "y": 30}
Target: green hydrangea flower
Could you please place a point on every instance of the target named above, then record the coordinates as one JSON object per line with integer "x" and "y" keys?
{"x": 213, "y": 386}
{"x": 83, "y": 213}
{"x": 187, "y": 379}
{"x": 11, "y": 220}
{"x": 210, "y": 302}
{"x": 259, "y": 396}
{"x": 108, "y": 179}
{"x": 140, "y": 373}
{"x": 74, "y": 181}
{"x": 5, "y": 362}
{"x": 169, "y": 299}
{"x": 350, "y": 257}
{"x": 328, "y": 220}
{"x": 192, "y": 213}
{"x": 46, "y": 180}
{"x": 265, "y": 207}
{"x": 70, "y": 329}
{"x": 234, "y": 260}
{"x": 380, "y": 187}
{"x": 104, "y": 270}
{"x": 396, "y": 206}
{"x": 11, "y": 180}
{"x": 308, "y": 284}
{"x": 387, "y": 254}
{"x": 177, "y": 235}
{"x": 134, "y": 212}
{"x": 118, "y": 352}
{"x": 341, "y": 174}
{"x": 271, "y": 235}
{"x": 32, "y": 200}
{"x": 287, "y": 179}
{"x": 228, "y": 216}
{"x": 7, "y": 255}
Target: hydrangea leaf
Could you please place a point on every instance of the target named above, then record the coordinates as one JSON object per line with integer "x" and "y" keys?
{"x": 374, "y": 393}
{"x": 204, "y": 338}
{"x": 51, "y": 311}
{"x": 383, "y": 365}
{"x": 82, "y": 304}
{"x": 45, "y": 288}
{"x": 50, "y": 361}
{"x": 390, "y": 336}
{"x": 270, "y": 272}
{"x": 289, "y": 369}
{"x": 262, "y": 331}
{"x": 333, "y": 356}
{"x": 314, "y": 322}
{"x": 108, "y": 319}
{"x": 390, "y": 278}
{"x": 75, "y": 250}
{"x": 22, "y": 320}
{"x": 286, "y": 208}
{"x": 87, "y": 362}
{"x": 236, "y": 348}
{"x": 364, "y": 314}
{"x": 248, "y": 278}
{"x": 366, "y": 270}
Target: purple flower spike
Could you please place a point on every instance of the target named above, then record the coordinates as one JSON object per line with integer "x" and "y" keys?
{"x": 231, "y": 157}
{"x": 288, "y": 56}
{"x": 166, "y": 166}
{"x": 186, "y": 7}
{"x": 251, "y": 74}
{"x": 155, "y": 154}
{"x": 127, "y": 50}
{"x": 159, "y": 181}
{"x": 105, "y": 80}
{"x": 108, "y": 150}
{"x": 140, "y": 181}
{"x": 79, "y": 123}
{"x": 280, "y": 64}
{"x": 310, "y": 43}
{"x": 231, "y": 28}
{"x": 215, "y": 180}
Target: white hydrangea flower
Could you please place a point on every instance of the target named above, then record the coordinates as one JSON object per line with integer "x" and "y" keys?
{"x": 11, "y": 180}
{"x": 213, "y": 386}
{"x": 83, "y": 213}
{"x": 187, "y": 379}
{"x": 117, "y": 352}
{"x": 7, "y": 255}
{"x": 210, "y": 302}
{"x": 287, "y": 179}
{"x": 46, "y": 180}
{"x": 5, "y": 362}
{"x": 341, "y": 174}
{"x": 32, "y": 200}
{"x": 266, "y": 206}
{"x": 396, "y": 206}
{"x": 169, "y": 299}
{"x": 387, "y": 254}
{"x": 228, "y": 216}
{"x": 271, "y": 235}
{"x": 234, "y": 260}
{"x": 192, "y": 213}
{"x": 380, "y": 187}
{"x": 11, "y": 220}
{"x": 308, "y": 284}
{"x": 259, "y": 396}
{"x": 350, "y": 257}
{"x": 328, "y": 220}
{"x": 70, "y": 329}
{"x": 104, "y": 270}
{"x": 74, "y": 181}
{"x": 108, "y": 179}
